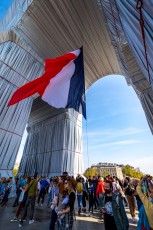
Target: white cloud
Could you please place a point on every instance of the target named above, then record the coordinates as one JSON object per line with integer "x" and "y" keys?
{"x": 144, "y": 163}
{"x": 115, "y": 143}
{"x": 112, "y": 133}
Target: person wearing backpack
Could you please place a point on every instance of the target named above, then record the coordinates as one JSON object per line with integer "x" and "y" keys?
{"x": 79, "y": 190}
{"x": 115, "y": 217}
{"x": 32, "y": 191}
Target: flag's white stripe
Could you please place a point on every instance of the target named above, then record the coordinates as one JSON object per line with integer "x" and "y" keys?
{"x": 76, "y": 52}
{"x": 57, "y": 91}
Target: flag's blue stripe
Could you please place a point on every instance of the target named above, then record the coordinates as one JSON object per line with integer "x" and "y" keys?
{"x": 76, "y": 97}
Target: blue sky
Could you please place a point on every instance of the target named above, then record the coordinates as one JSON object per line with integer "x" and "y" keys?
{"x": 117, "y": 128}
{"x": 4, "y": 5}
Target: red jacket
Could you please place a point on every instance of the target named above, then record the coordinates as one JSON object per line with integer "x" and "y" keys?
{"x": 100, "y": 188}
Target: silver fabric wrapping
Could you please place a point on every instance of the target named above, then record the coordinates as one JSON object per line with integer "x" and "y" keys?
{"x": 54, "y": 142}
{"x": 122, "y": 21}
{"x": 17, "y": 66}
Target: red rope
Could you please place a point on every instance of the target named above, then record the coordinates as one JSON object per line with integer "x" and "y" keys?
{"x": 11, "y": 132}
{"x": 139, "y": 5}
{"x": 8, "y": 81}
{"x": 10, "y": 67}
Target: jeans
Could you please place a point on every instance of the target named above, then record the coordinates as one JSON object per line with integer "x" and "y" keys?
{"x": 96, "y": 204}
{"x": 53, "y": 220}
{"x": 49, "y": 198}
{"x": 84, "y": 198}
{"x": 100, "y": 202}
{"x": 79, "y": 198}
{"x": 30, "y": 200}
{"x": 17, "y": 197}
{"x": 20, "y": 207}
{"x": 41, "y": 195}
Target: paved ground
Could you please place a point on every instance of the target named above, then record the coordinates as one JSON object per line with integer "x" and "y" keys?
{"x": 42, "y": 218}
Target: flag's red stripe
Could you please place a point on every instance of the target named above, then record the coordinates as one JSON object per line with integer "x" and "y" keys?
{"x": 52, "y": 68}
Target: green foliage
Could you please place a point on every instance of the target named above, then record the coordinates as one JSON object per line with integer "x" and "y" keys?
{"x": 105, "y": 174}
{"x": 90, "y": 172}
{"x": 129, "y": 171}
{"x": 15, "y": 171}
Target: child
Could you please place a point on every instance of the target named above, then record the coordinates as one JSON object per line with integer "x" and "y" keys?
{"x": 91, "y": 196}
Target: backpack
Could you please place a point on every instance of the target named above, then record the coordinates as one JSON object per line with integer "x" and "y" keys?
{"x": 79, "y": 187}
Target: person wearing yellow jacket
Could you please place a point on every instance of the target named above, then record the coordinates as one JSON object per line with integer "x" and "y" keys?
{"x": 147, "y": 201}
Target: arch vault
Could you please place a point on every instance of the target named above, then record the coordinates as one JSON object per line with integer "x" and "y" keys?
{"x": 110, "y": 33}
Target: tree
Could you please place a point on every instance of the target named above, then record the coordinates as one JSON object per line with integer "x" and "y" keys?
{"x": 106, "y": 173}
{"x": 90, "y": 172}
{"x": 131, "y": 172}
{"x": 15, "y": 171}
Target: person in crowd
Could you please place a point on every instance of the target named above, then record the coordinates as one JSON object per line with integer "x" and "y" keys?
{"x": 44, "y": 184}
{"x": 47, "y": 188}
{"x": 114, "y": 183}
{"x": 63, "y": 206}
{"x": 108, "y": 177}
{"x": 2, "y": 187}
{"x": 100, "y": 191}
{"x": 23, "y": 202}
{"x": 78, "y": 177}
{"x": 89, "y": 179}
{"x": 8, "y": 186}
{"x": 67, "y": 221}
{"x": 84, "y": 195}
{"x": 129, "y": 192}
{"x": 79, "y": 190}
{"x": 39, "y": 186}
{"x": 138, "y": 200}
{"x": 32, "y": 191}
{"x": 115, "y": 217}
{"x": 94, "y": 182}
{"x": 146, "y": 212}
{"x": 20, "y": 185}
{"x": 54, "y": 191}
{"x": 91, "y": 197}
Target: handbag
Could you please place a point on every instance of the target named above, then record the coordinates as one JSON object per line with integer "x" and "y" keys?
{"x": 21, "y": 196}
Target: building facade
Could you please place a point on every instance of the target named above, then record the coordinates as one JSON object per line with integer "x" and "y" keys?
{"x": 111, "y": 169}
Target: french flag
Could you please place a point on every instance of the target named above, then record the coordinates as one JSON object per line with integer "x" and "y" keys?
{"x": 61, "y": 86}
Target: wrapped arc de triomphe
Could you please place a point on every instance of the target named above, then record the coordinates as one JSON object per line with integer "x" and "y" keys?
{"x": 110, "y": 33}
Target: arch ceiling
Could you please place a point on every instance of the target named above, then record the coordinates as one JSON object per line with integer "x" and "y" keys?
{"x": 108, "y": 30}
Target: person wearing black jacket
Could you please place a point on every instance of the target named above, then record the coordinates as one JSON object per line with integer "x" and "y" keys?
{"x": 129, "y": 192}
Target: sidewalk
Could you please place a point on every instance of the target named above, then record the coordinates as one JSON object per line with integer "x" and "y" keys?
{"x": 42, "y": 219}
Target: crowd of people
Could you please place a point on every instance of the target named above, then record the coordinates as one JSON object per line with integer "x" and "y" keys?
{"x": 107, "y": 196}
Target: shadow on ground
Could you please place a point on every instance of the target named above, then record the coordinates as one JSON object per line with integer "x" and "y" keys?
{"x": 42, "y": 219}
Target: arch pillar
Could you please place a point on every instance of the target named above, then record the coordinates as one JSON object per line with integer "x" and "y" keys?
{"x": 18, "y": 65}
{"x": 54, "y": 142}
